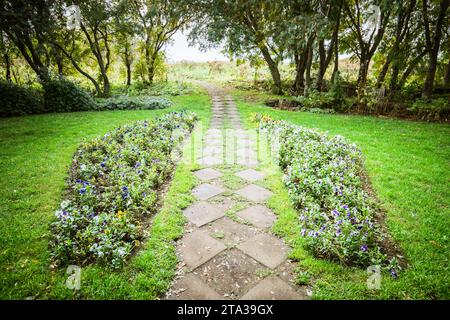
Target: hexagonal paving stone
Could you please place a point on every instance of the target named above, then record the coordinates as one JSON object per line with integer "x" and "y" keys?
{"x": 265, "y": 248}
{"x": 250, "y": 175}
{"x": 207, "y": 174}
{"x": 258, "y": 215}
{"x": 231, "y": 273}
{"x": 273, "y": 288}
{"x": 254, "y": 193}
{"x": 190, "y": 287}
{"x": 230, "y": 232}
{"x": 206, "y": 191}
{"x": 198, "y": 248}
{"x": 202, "y": 212}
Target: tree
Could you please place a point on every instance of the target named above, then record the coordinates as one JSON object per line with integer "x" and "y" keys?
{"x": 245, "y": 27}
{"x": 157, "y": 21}
{"x": 27, "y": 24}
{"x": 364, "y": 41}
{"x": 433, "y": 40}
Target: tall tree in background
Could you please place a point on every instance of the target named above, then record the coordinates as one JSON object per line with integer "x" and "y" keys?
{"x": 433, "y": 35}
{"x": 157, "y": 22}
{"x": 367, "y": 24}
{"x": 244, "y": 27}
{"x": 27, "y": 24}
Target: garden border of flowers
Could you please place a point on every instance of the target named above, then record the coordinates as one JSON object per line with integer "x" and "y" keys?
{"x": 327, "y": 184}
{"x": 114, "y": 185}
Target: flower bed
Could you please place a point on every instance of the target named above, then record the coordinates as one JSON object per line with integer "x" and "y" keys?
{"x": 323, "y": 177}
{"x": 113, "y": 185}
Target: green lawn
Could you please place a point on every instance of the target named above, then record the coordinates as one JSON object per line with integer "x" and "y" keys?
{"x": 35, "y": 155}
{"x": 409, "y": 167}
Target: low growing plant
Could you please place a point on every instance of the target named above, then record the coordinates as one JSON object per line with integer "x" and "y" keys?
{"x": 133, "y": 103}
{"x": 322, "y": 174}
{"x": 114, "y": 184}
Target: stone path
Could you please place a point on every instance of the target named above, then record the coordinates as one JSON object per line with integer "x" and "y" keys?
{"x": 222, "y": 257}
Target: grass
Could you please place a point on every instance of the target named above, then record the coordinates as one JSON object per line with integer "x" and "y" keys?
{"x": 408, "y": 164}
{"x": 36, "y": 153}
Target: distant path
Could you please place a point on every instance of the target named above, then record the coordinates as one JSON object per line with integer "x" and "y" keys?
{"x": 221, "y": 258}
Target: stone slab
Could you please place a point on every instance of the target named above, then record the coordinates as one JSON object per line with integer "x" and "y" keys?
{"x": 258, "y": 215}
{"x": 273, "y": 288}
{"x": 267, "y": 249}
{"x": 207, "y": 174}
{"x": 202, "y": 212}
{"x": 190, "y": 287}
{"x": 206, "y": 191}
{"x": 250, "y": 175}
{"x": 197, "y": 248}
{"x": 254, "y": 193}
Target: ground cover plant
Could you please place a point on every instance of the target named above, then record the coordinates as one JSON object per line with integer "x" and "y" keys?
{"x": 113, "y": 186}
{"x": 322, "y": 174}
{"x": 133, "y": 103}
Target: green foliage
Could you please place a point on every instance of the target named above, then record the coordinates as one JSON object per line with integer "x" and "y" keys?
{"x": 322, "y": 174}
{"x": 435, "y": 110}
{"x": 114, "y": 183}
{"x": 133, "y": 103}
{"x": 316, "y": 99}
{"x": 61, "y": 95}
{"x": 157, "y": 89}
{"x": 19, "y": 100}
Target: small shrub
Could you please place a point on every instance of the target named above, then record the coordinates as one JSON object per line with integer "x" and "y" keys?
{"x": 113, "y": 185}
{"x": 133, "y": 103}
{"x": 322, "y": 174}
{"x": 61, "y": 95}
{"x": 316, "y": 99}
{"x": 18, "y": 100}
{"x": 435, "y": 110}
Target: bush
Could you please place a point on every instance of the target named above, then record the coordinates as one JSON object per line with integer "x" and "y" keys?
{"x": 18, "y": 100}
{"x": 435, "y": 110}
{"x": 317, "y": 100}
{"x": 157, "y": 89}
{"x": 133, "y": 103}
{"x": 322, "y": 174}
{"x": 113, "y": 185}
{"x": 61, "y": 95}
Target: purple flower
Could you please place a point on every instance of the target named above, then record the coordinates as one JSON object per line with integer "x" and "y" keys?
{"x": 393, "y": 274}
{"x": 364, "y": 248}
{"x": 338, "y": 232}
{"x": 336, "y": 213}
{"x": 303, "y": 232}
{"x": 82, "y": 191}
{"x": 103, "y": 164}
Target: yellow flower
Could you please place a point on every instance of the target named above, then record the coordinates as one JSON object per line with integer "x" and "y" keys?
{"x": 121, "y": 213}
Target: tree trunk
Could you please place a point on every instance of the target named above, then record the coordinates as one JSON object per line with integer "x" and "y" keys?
{"x": 8, "y": 67}
{"x": 362, "y": 75}
{"x": 447, "y": 76}
{"x": 128, "y": 74}
{"x": 273, "y": 67}
{"x": 428, "y": 85}
{"x": 308, "y": 69}
{"x": 299, "y": 82}
{"x": 336, "y": 60}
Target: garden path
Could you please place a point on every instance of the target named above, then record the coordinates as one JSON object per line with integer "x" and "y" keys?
{"x": 227, "y": 255}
